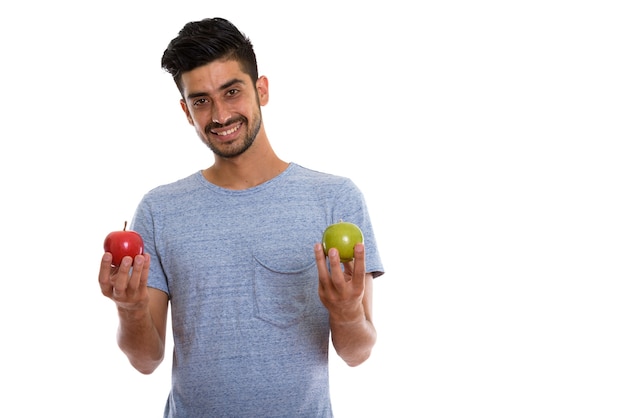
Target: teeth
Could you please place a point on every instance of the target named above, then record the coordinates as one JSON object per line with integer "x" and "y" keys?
{"x": 228, "y": 132}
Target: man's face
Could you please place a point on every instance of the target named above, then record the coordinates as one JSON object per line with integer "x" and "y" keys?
{"x": 224, "y": 105}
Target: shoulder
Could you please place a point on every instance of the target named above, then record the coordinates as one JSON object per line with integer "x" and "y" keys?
{"x": 177, "y": 188}
{"x": 308, "y": 184}
{"x": 299, "y": 173}
{"x": 172, "y": 196}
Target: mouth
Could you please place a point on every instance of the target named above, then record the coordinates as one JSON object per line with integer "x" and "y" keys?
{"x": 227, "y": 130}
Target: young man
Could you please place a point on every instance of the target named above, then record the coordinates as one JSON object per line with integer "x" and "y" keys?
{"x": 234, "y": 251}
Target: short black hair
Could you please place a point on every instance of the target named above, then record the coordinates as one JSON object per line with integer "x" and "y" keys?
{"x": 201, "y": 42}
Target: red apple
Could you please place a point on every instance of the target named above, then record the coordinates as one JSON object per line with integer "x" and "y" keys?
{"x": 123, "y": 243}
{"x": 343, "y": 236}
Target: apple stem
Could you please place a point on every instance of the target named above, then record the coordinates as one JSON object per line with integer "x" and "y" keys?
{"x": 125, "y": 223}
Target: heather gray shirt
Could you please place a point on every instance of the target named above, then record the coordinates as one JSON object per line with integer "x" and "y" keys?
{"x": 251, "y": 336}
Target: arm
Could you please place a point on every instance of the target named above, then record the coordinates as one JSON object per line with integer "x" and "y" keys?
{"x": 142, "y": 311}
{"x": 348, "y": 297}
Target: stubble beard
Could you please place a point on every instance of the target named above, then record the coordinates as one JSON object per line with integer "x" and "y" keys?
{"x": 235, "y": 149}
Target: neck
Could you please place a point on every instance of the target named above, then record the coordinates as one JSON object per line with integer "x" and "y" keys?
{"x": 256, "y": 166}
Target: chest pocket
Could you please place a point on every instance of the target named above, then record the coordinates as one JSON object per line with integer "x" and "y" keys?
{"x": 283, "y": 297}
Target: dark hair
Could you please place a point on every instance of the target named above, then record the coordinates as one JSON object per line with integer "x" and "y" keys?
{"x": 201, "y": 42}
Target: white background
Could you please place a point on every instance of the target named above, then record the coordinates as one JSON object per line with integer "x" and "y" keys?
{"x": 488, "y": 137}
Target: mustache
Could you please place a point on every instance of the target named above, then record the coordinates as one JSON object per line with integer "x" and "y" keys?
{"x": 216, "y": 125}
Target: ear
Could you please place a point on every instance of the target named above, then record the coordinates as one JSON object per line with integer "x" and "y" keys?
{"x": 183, "y": 105}
{"x": 262, "y": 90}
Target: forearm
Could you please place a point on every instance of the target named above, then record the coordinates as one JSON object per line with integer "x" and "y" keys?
{"x": 140, "y": 340}
{"x": 353, "y": 338}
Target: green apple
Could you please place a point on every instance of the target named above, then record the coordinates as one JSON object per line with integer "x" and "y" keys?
{"x": 343, "y": 236}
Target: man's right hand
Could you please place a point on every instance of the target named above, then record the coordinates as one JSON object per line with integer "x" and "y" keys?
{"x": 126, "y": 285}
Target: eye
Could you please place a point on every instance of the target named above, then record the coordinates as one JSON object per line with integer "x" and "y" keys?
{"x": 232, "y": 92}
{"x": 200, "y": 102}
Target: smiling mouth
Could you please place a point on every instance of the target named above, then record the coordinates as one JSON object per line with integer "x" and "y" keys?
{"x": 229, "y": 131}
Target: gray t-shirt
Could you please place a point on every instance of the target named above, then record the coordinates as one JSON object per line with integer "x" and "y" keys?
{"x": 251, "y": 336}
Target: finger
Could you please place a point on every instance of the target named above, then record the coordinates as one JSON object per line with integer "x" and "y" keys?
{"x": 121, "y": 279}
{"x": 337, "y": 276}
{"x": 134, "y": 283}
{"x": 358, "y": 272}
{"x": 139, "y": 276}
{"x": 104, "y": 276}
{"x": 145, "y": 271}
{"x": 322, "y": 268}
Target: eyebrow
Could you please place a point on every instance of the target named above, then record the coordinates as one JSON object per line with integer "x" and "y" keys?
{"x": 223, "y": 87}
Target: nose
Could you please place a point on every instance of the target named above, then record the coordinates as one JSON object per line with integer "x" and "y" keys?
{"x": 220, "y": 113}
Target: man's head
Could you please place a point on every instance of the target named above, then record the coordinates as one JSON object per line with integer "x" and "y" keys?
{"x": 201, "y": 42}
{"x": 214, "y": 67}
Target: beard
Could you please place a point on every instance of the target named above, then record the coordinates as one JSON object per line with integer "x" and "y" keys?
{"x": 236, "y": 147}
